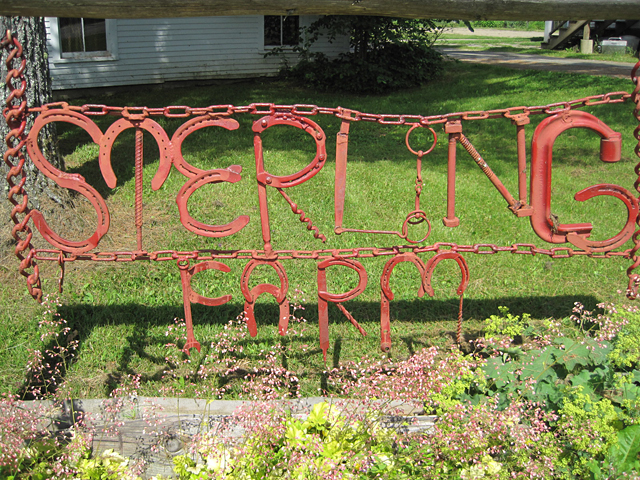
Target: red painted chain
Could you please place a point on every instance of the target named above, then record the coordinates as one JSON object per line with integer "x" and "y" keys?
{"x": 309, "y": 110}
{"x": 634, "y": 278}
{"x": 15, "y": 114}
{"x": 365, "y": 252}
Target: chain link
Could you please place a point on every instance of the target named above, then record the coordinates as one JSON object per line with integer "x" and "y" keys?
{"x": 15, "y": 114}
{"x": 182, "y": 111}
{"x": 365, "y": 252}
{"x": 634, "y": 278}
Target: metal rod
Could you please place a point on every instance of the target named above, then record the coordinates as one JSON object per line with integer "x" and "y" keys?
{"x": 138, "y": 181}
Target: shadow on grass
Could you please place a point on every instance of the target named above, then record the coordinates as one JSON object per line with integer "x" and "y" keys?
{"x": 420, "y": 323}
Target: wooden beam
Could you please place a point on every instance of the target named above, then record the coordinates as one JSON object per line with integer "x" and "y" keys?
{"x": 443, "y": 9}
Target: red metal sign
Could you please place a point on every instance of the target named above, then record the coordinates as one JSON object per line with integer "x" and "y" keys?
{"x": 22, "y": 147}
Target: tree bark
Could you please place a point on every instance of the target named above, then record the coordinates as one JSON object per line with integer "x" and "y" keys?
{"x": 453, "y": 9}
{"x": 30, "y": 32}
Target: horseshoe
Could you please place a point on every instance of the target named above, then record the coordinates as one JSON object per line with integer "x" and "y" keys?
{"x": 387, "y": 294}
{"x": 433, "y": 262}
{"x": 71, "y": 181}
{"x": 627, "y": 198}
{"x": 106, "y": 144}
{"x": 464, "y": 283}
{"x": 187, "y": 129}
{"x": 189, "y": 296}
{"x": 324, "y": 297}
{"x": 251, "y": 295}
{"x": 231, "y": 175}
{"x": 307, "y": 172}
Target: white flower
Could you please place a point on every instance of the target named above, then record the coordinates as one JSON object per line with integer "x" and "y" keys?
{"x": 219, "y": 462}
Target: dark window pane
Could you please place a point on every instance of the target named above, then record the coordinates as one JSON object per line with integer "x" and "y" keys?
{"x": 290, "y": 27}
{"x": 272, "y": 29}
{"x": 70, "y": 31}
{"x": 82, "y": 35}
{"x": 279, "y": 30}
{"x": 95, "y": 35}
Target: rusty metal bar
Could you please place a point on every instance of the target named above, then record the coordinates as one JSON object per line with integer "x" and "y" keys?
{"x": 464, "y": 141}
{"x": 138, "y": 184}
{"x": 454, "y": 129}
{"x": 342, "y": 146}
{"x": 520, "y": 122}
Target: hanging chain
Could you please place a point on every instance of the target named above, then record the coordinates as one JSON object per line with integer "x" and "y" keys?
{"x": 634, "y": 278}
{"x": 15, "y": 114}
{"x": 180, "y": 111}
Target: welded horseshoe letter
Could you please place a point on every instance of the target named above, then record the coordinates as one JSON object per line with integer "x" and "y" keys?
{"x": 464, "y": 283}
{"x": 541, "y": 159}
{"x": 146, "y": 124}
{"x": 67, "y": 180}
{"x": 307, "y": 172}
{"x": 188, "y": 128}
{"x": 387, "y": 294}
{"x": 265, "y": 178}
{"x": 631, "y": 203}
{"x": 251, "y": 295}
{"x": 189, "y": 296}
{"x": 324, "y": 297}
{"x": 231, "y": 175}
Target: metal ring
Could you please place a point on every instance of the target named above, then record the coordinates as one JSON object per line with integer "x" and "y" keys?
{"x": 417, "y": 214}
{"x": 421, "y": 153}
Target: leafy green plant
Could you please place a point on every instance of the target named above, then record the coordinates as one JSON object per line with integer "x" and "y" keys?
{"x": 624, "y": 454}
{"x": 108, "y": 465}
{"x": 588, "y": 429}
{"x": 329, "y": 439}
{"x": 626, "y": 352}
{"x": 392, "y": 67}
{"x": 506, "y": 324}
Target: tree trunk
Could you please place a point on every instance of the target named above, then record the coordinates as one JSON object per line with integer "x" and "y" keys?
{"x": 30, "y": 32}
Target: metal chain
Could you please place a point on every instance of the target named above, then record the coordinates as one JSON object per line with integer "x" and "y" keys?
{"x": 365, "y": 252}
{"x": 15, "y": 114}
{"x": 181, "y": 111}
{"x": 634, "y": 278}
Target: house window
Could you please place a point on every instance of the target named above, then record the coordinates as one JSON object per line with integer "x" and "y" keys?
{"x": 80, "y": 36}
{"x": 281, "y": 31}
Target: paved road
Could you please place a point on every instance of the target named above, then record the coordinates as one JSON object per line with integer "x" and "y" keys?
{"x": 541, "y": 62}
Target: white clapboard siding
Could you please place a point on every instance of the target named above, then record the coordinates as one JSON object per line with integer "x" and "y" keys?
{"x": 146, "y": 51}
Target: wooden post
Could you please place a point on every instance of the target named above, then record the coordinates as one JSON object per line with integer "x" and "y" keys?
{"x": 586, "y": 44}
{"x": 458, "y": 9}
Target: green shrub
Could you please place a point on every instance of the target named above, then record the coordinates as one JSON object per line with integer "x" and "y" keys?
{"x": 588, "y": 430}
{"x": 392, "y": 67}
{"x": 626, "y": 352}
{"x": 385, "y": 54}
{"x": 506, "y": 324}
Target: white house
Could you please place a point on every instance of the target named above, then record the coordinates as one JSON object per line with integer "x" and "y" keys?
{"x": 89, "y": 53}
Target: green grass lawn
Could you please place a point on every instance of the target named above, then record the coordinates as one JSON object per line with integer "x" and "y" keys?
{"x": 120, "y": 313}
